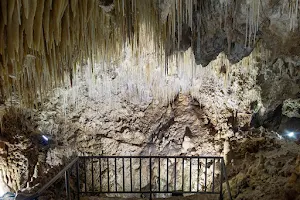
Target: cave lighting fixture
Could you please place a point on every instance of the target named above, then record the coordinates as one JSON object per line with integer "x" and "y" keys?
{"x": 291, "y": 134}
{"x": 45, "y": 138}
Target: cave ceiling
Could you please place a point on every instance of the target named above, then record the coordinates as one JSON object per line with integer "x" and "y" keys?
{"x": 42, "y": 41}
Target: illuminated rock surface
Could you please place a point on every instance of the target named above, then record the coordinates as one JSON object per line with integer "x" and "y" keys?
{"x": 91, "y": 76}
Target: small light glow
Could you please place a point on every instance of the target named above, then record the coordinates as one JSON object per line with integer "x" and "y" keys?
{"x": 45, "y": 138}
{"x": 291, "y": 134}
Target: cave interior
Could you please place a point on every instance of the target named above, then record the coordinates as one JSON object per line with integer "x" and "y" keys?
{"x": 187, "y": 79}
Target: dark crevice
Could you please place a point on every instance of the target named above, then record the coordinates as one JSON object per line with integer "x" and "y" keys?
{"x": 270, "y": 121}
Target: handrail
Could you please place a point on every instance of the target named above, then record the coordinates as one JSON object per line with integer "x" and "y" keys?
{"x": 55, "y": 178}
{"x": 226, "y": 179}
{"x": 208, "y": 157}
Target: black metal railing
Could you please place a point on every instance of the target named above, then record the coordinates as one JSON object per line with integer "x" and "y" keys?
{"x": 147, "y": 175}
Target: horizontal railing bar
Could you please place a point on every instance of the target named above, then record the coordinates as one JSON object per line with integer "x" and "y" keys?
{"x": 153, "y": 192}
{"x": 203, "y": 157}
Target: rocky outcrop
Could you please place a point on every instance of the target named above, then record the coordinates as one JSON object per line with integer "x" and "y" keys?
{"x": 157, "y": 130}
{"x": 264, "y": 168}
{"x": 19, "y": 147}
{"x": 279, "y": 86}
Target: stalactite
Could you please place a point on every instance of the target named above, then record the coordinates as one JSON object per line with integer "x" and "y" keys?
{"x": 252, "y": 22}
{"x": 13, "y": 32}
{"x": 29, "y": 23}
{"x": 38, "y": 25}
{"x": 293, "y": 14}
{"x": 60, "y": 34}
{"x": 11, "y": 6}
{"x": 4, "y": 11}
{"x": 26, "y": 5}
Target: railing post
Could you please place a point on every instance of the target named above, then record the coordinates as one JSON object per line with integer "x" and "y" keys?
{"x": 159, "y": 174}
{"x": 116, "y": 179}
{"x": 100, "y": 174}
{"x": 92, "y": 165}
{"x": 84, "y": 163}
{"x": 221, "y": 181}
{"x": 108, "y": 186}
{"x": 150, "y": 172}
{"x": 167, "y": 174}
{"x": 130, "y": 166}
{"x": 182, "y": 174}
{"x": 190, "y": 174}
{"x": 205, "y": 182}
{"x": 77, "y": 178}
{"x": 198, "y": 174}
{"x": 123, "y": 170}
{"x": 175, "y": 169}
{"x": 140, "y": 174}
{"x": 67, "y": 184}
{"x": 213, "y": 176}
